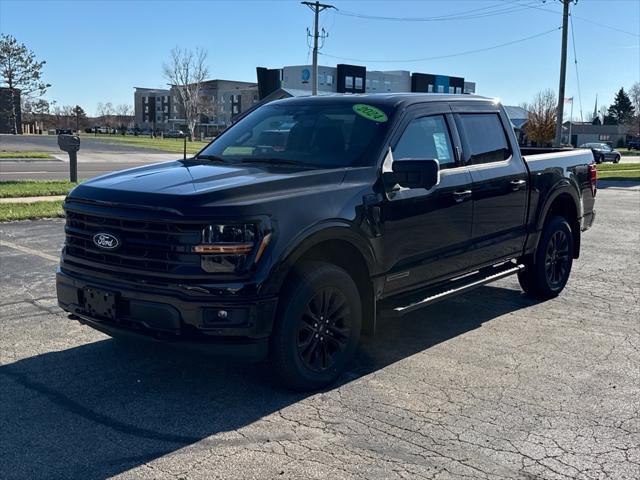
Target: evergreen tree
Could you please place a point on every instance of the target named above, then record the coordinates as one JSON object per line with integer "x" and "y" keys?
{"x": 621, "y": 111}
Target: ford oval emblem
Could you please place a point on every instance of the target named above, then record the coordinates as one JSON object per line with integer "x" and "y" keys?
{"x": 106, "y": 241}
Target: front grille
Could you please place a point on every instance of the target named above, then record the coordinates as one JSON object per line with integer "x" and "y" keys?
{"x": 151, "y": 246}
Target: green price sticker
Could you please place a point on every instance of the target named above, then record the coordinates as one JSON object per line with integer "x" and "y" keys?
{"x": 370, "y": 113}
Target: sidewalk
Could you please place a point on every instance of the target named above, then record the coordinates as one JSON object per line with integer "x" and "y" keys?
{"x": 48, "y": 198}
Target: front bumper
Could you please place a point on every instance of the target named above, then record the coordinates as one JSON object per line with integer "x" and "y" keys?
{"x": 169, "y": 315}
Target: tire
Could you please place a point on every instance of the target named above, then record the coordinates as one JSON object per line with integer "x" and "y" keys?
{"x": 307, "y": 353}
{"x": 547, "y": 272}
{"x": 616, "y": 159}
{"x": 600, "y": 159}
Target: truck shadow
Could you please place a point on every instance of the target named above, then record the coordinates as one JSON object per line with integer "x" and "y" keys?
{"x": 100, "y": 409}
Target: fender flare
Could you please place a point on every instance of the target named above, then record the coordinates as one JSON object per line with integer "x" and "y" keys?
{"x": 561, "y": 188}
{"x": 312, "y": 236}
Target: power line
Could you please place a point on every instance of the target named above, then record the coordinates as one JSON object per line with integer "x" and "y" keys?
{"x": 575, "y": 61}
{"x": 498, "y": 9}
{"x": 603, "y": 25}
{"x": 439, "y": 57}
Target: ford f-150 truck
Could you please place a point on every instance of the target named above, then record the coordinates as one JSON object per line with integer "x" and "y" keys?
{"x": 292, "y": 231}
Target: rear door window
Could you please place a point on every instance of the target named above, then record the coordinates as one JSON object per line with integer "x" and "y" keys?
{"x": 486, "y": 140}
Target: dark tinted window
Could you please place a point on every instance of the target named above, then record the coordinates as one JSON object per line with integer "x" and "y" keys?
{"x": 314, "y": 135}
{"x": 427, "y": 138}
{"x": 486, "y": 140}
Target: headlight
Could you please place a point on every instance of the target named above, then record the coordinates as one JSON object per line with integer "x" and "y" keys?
{"x": 228, "y": 248}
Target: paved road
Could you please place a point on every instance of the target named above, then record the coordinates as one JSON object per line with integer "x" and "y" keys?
{"x": 49, "y": 143}
{"x": 95, "y": 158}
{"x": 488, "y": 385}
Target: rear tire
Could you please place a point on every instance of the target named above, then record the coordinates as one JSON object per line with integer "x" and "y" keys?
{"x": 616, "y": 159}
{"x": 547, "y": 272}
{"x": 318, "y": 326}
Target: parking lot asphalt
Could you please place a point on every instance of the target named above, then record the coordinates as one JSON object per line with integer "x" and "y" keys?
{"x": 487, "y": 385}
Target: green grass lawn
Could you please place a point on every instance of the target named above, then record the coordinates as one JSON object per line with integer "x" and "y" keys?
{"x": 25, "y": 154}
{"x": 30, "y": 211}
{"x": 34, "y": 188}
{"x": 173, "y": 145}
{"x": 619, "y": 171}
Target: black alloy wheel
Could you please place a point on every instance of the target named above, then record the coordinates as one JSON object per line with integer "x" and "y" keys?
{"x": 556, "y": 262}
{"x": 547, "y": 271}
{"x": 324, "y": 330}
{"x": 317, "y": 326}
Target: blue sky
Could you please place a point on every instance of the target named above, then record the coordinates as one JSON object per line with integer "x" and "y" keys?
{"x": 97, "y": 51}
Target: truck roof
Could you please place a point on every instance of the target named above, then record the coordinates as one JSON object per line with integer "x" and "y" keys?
{"x": 389, "y": 99}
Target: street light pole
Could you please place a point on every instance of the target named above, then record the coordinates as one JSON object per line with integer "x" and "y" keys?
{"x": 316, "y": 7}
{"x": 563, "y": 71}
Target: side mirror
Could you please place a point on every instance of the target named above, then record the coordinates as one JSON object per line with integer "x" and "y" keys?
{"x": 414, "y": 173}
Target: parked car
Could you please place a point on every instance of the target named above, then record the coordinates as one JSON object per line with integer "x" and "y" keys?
{"x": 64, "y": 131}
{"x": 634, "y": 144}
{"x": 374, "y": 205}
{"x": 602, "y": 152}
{"x": 178, "y": 134}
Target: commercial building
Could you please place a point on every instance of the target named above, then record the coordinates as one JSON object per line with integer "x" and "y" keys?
{"x": 222, "y": 100}
{"x": 7, "y": 123}
{"x": 344, "y": 78}
{"x": 579, "y": 133}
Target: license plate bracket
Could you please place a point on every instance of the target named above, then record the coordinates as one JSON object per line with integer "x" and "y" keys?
{"x": 99, "y": 303}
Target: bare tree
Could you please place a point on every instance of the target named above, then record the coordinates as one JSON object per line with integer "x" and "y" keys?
{"x": 20, "y": 71}
{"x": 541, "y": 125}
{"x": 105, "y": 112}
{"x": 124, "y": 116}
{"x": 634, "y": 94}
{"x": 186, "y": 71}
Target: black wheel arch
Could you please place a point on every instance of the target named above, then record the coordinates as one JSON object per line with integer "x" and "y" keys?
{"x": 337, "y": 243}
{"x": 564, "y": 202}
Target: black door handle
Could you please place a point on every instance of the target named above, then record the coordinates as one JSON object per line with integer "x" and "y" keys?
{"x": 518, "y": 184}
{"x": 460, "y": 195}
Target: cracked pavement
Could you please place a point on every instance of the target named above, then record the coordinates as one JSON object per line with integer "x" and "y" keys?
{"x": 487, "y": 385}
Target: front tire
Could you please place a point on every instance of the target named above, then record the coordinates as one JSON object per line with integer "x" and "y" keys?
{"x": 546, "y": 274}
{"x": 616, "y": 159}
{"x": 318, "y": 326}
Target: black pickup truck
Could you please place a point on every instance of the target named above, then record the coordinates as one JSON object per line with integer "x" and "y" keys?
{"x": 290, "y": 233}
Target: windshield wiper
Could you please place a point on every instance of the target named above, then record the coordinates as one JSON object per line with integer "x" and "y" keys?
{"x": 212, "y": 158}
{"x": 273, "y": 161}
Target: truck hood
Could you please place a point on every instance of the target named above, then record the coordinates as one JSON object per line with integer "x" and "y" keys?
{"x": 187, "y": 184}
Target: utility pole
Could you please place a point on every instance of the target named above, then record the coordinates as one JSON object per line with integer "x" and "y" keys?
{"x": 563, "y": 70}
{"x": 316, "y": 7}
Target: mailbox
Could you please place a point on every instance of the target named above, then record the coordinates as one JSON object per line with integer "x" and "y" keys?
{"x": 71, "y": 145}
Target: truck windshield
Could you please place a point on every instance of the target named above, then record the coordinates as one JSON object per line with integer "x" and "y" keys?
{"x": 314, "y": 136}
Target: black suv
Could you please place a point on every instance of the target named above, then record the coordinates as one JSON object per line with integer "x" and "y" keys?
{"x": 297, "y": 227}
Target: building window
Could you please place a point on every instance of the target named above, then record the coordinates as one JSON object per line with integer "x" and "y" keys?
{"x": 430, "y": 88}
{"x": 359, "y": 83}
{"x": 387, "y": 85}
{"x": 604, "y": 137}
{"x": 348, "y": 82}
{"x": 458, "y": 90}
{"x": 452, "y": 90}
{"x": 440, "y": 88}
